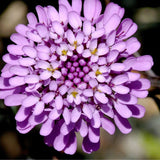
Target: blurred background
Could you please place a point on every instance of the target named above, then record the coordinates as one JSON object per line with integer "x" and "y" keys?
{"x": 142, "y": 143}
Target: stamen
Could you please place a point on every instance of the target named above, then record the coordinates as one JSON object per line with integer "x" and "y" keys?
{"x": 98, "y": 72}
{"x": 64, "y": 52}
{"x": 94, "y": 51}
{"x": 51, "y": 69}
{"x": 75, "y": 44}
{"x": 74, "y": 94}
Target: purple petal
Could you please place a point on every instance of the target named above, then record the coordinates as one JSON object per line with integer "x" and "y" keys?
{"x": 137, "y": 110}
{"x": 11, "y": 59}
{"x": 120, "y": 46}
{"x": 18, "y": 70}
{"x": 132, "y": 45}
{"x": 41, "y": 14}
{"x": 54, "y": 114}
{"x": 32, "y": 20}
{"x": 88, "y": 146}
{"x": 59, "y": 102}
{"x": 6, "y": 93}
{"x": 98, "y": 9}
{"x": 141, "y": 84}
{"x": 22, "y": 114}
{"x": 99, "y": 33}
{"x": 30, "y": 101}
{"x": 121, "y": 89}
{"x": 48, "y": 97}
{"x": 34, "y": 37}
{"x": 42, "y": 30}
{"x": 72, "y": 144}
{"x": 58, "y": 28}
{"x": 123, "y": 110}
{"x": 43, "y": 64}
{"x": 47, "y": 127}
{"x": 107, "y": 125}
{"x": 104, "y": 88}
{"x": 93, "y": 83}
{"x": 82, "y": 128}
{"x": 70, "y": 37}
{"x": 67, "y": 115}
{"x": 139, "y": 94}
{"x": 30, "y": 79}
{"x": 38, "y": 109}
{"x": 101, "y": 78}
{"x": 75, "y": 115}
{"x": 16, "y": 81}
{"x": 87, "y": 28}
{"x": 19, "y": 39}
{"x": 107, "y": 110}
{"x": 66, "y": 4}
{"x": 14, "y": 100}
{"x": 120, "y": 79}
{"x": 112, "y": 55}
{"x": 94, "y": 134}
{"x": 96, "y": 122}
{"x": 133, "y": 76}
{"x": 53, "y": 86}
{"x": 4, "y": 83}
{"x": 63, "y": 14}
{"x": 111, "y": 38}
{"x": 52, "y": 14}
{"x": 86, "y": 53}
{"x": 77, "y": 5}
{"x": 24, "y": 127}
{"x": 112, "y": 9}
{"x": 56, "y": 74}
{"x": 143, "y": 63}
{"x": 59, "y": 142}
{"x": 22, "y": 29}
{"x": 101, "y": 97}
{"x": 35, "y": 120}
{"x": 126, "y": 98}
{"x": 63, "y": 89}
{"x": 26, "y": 62}
{"x": 89, "y": 8}
{"x": 45, "y": 75}
{"x": 112, "y": 23}
{"x": 15, "y": 49}
{"x": 74, "y": 20}
{"x": 122, "y": 124}
{"x": 87, "y": 111}
{"x": 30, "y": 51}
{"x": 117, "y": 67}
{"x": 88, "y": 92}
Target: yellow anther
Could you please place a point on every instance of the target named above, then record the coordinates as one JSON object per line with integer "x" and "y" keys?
{"x": 75, "y": 44}
{"x": 94, "y": 51}
{"x": 74, "y": 94}
{"x": 64, "y": 52}
{"x": 98, "y": 72}
{"x": 51, "y": 69}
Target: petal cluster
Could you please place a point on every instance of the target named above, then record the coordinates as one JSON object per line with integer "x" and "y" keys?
{"x": 75, "y": 74}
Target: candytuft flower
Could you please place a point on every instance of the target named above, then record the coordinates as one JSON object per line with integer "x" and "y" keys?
{"x": 74, "y": 74}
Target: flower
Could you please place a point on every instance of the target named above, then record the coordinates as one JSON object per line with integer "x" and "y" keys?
{"x": 74, "y": 74}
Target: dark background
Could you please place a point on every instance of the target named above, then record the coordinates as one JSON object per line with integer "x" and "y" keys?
{"x": 143, "y": 142}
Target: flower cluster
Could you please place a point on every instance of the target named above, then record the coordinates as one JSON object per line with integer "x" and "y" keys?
{"x": 75, "y": 74}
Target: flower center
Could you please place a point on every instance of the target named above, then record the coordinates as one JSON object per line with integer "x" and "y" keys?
{"x": 51, "y": 69}
{"x": 93, "y": 52}
{"x": 64, "y": 52}
{"x": 75, "y": 44}
{"x": 98, "y": 72}
{"x": 74, "y": 94}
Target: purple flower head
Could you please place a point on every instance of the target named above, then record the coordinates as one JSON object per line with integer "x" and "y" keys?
{"x": 74, "y": 74}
